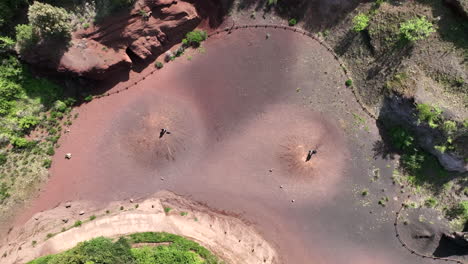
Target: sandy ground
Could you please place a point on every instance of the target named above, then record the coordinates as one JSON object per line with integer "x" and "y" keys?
{"x": 242, "y": 112}
{"x": 226, "y": 236}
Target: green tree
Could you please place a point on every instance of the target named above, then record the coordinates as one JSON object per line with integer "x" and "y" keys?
{"x": 416, "y": 29}
{"x": 195, "y": 38}
{"x": 48, "y": 20}
{"x": 25, "y": 37}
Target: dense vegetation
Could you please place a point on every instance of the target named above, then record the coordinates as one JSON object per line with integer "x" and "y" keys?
{"x": 167, "y": 248}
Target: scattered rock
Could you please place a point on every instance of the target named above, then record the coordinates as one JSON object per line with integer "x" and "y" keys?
{"x": 68, "y": 156}
{"x": 81, "y": 212}
{"x": 131, "y": 200}
{"x": 168, "y": 56}
{"x": 65, "y": 220}
{"x": 281, "y": 186}
{"x": 68, "y": 205}
{"x": 292, "y": 201}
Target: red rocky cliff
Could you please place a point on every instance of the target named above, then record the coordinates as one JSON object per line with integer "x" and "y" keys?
{"x": 149, "y": 29}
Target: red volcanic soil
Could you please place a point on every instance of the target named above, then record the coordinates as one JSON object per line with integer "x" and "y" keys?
{"x": 242, "y": 117}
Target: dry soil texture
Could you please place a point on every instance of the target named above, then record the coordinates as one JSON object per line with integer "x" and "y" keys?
{"x": 242, "y": 116}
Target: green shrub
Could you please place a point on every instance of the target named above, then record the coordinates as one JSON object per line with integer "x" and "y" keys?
{"x": 360, "y": 22}
{"x": 292, "y": 22}
{"x": 430, "y": 202}
{"x": 91, "y": 218}
{"x": 77, "y": 223}
{"x": 47, "y": 163}
{"x": 442, "y": 149}
{"x": 430, "y": 114}
{"x": 272, "y": 2}
{"x": 86, "y": 25}
{"x": 48, "y": 20}
{"x": 26, "y": 38}
{"x": 4, "y": 194}
{"x": 460, "y": 210}
{"x": 60, "y": 106}
{"x": 21, "y": 143}
{"x": 50, "y": 151}
{"x": 3, "y": 158}
{"x": 159, "y": 65}
{"x": 28, "y": 123}
{"x": 416, "y": 29}
{"x": 167, "y": 209}
{"x": 6, "y": 44}
{"x": 349, "y": 83}
{"x": 412, "y": 162}
{"x": 88, "y": 98}
{"x": 104, "y": 251}
{"x": 449, "y": 126}
{"x": 195, "y": 38}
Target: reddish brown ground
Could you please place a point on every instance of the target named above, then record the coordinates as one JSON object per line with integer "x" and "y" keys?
{"x": 247, "y": 106}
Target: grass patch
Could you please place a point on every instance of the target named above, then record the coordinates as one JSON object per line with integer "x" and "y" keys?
{"x": 105, "y": 251}
{"x": 167, "y": 209}
{"x": 292, "y": 22}
{"x": 78, "y": 223}
{"x": 431, "y": 202}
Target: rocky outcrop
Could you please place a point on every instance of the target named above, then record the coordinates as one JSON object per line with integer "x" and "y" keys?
{"x": 460, "y": 238}
{"x": 149, "y": 29}
{"x": 459, "y": 6}
{"x": 400, "y": 111}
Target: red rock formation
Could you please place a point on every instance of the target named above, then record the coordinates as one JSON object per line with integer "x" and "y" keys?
{"x": 149, "y": 29}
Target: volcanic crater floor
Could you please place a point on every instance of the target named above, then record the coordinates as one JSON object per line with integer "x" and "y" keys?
{"x": 243, "y": 111}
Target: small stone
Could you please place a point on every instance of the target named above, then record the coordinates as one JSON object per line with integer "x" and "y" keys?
{"x": 162, "y": 178}
{"x": 67, "y": 131}
{"x": 81, "y": 212}
{"x": 131, "y": 200}
{"x": 65, "y": 220}
{"x": 395, "y": 198}
{"x": 292, "y": 201}
{"x": 270, "y": 170}
{"x": 267, "y": 36}
{"x": 36, "y": 217}
{"x": 68, "y": 156}
{"x": 281, "y": 186}
{"x": 168, "y": 56}
{"x": 67, "y": 204}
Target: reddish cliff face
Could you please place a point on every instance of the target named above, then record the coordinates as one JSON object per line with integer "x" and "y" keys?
{"x": 149, "y": 29}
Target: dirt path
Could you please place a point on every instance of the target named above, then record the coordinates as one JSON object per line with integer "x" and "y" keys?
{"x": 226, "y": 236}
{"x": 242, "y": 115}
